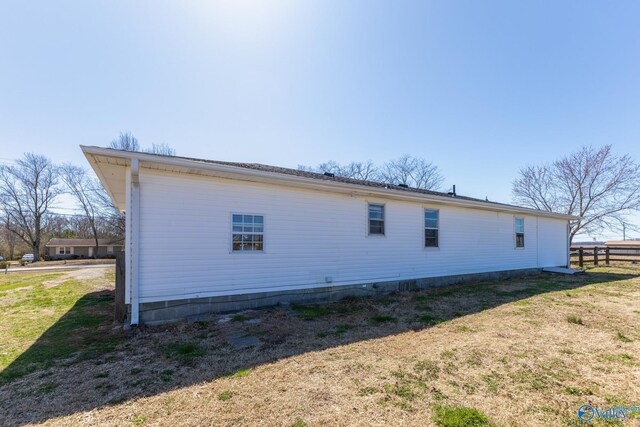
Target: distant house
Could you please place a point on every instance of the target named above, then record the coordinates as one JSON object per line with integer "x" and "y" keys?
{"x": 82, "y": 248}
{"x": 628, "y": 247}
{"x": 205, "y": 235}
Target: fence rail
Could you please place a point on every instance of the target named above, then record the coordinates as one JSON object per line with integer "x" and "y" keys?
{"x": 606, "y": 254}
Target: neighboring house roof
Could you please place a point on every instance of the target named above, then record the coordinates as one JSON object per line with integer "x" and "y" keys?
{"x": 82, "y": 242}
{"x": 106, "y": 161}
{"x": 623, "y": 243}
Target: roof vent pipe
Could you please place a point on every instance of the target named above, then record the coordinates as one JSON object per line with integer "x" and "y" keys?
{"x": 453, "y": 192}
{"x": 403, "y": 185}
{"x": 329, "y": 174}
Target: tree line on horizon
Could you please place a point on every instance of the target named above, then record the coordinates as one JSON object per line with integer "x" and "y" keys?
{"x": 29, "y": 189}
{"x": 595, "y": 184}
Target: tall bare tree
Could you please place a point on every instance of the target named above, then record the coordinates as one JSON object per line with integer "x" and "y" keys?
{"x": 125, "y": 141}
{"x": 10, "y": 240}
{"x": 408, "y": 170}
{"x": 83, "y": 188}
{"x": 164, "y": 149}
{"x": 26, "y": 192}
{"x": 598, "y": 186}
{"x": 412, "y": 171}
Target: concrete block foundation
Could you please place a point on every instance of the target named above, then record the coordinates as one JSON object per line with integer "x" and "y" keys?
{"x": 155, "y": 313}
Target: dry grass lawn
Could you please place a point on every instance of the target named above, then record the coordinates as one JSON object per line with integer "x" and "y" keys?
{"x": 523, "y": 352}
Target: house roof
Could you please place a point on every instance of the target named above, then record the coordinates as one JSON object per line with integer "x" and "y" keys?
{"x": 82, "y": 242}
{"x": 623, "y": 243}
{"x": 110, "y": 165}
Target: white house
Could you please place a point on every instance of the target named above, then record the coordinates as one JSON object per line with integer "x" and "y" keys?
{"x": 207, "y": 236}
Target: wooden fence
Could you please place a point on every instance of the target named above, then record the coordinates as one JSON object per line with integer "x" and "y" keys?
{"x": 604, "y": 254}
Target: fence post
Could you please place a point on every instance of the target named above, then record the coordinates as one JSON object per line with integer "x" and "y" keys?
{"x": 580, "y": 256}
{"x": 595, "y": 256}
{"x": 606, "y": 251}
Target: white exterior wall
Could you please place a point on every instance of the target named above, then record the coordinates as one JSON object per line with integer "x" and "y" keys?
{"x": 185, "y": 239}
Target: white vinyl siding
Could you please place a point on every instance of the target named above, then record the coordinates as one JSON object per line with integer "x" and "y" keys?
{"x": 312, "y": 235}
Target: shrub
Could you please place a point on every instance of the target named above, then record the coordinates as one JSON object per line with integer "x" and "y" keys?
{"x": 22, "y": 262}
{"x": 4, "y": 264}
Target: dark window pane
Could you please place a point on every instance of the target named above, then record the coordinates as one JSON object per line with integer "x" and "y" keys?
{"x": 257, "y": 219}
{"x": 431, "y": 238}
{"x": 258, "y": 246}
{"x": 237, "y": 218}
{"x": 520, "y": 240}
{"x": 376, "y": 227}
{"x": 237, "y": 246}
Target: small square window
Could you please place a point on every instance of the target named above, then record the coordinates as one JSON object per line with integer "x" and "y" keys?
{"x": 247, "y": 233}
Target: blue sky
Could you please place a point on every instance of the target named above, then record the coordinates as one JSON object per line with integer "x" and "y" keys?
{"x": 480, "y": 88}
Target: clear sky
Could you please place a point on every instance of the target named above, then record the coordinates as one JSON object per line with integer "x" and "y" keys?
{"x": 480, "y": 88}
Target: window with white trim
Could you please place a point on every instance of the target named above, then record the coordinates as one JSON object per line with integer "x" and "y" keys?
{"x": 431, "y": 225}
{"x": 64, "y": 250}
{"x": 519, "y": 230}
{"x": 376, "y": 219}
{"x": 248, "y": 233}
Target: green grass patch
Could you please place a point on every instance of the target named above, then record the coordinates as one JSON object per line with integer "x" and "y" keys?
{"x": 239, "y": 318}
{"x": 225, "y": 395}
{"x": 241, "y": 373}
{"x": 428, "y": 319}
{"x": 183, "y": 352}
{"x": 379, "y": 320}
{"x": 427, "y": 370}
{"x": 575, "y": 320}
{"x": 621, "y": 337}
{"x": 367, "y": 391}
{"x": 42, "y": 326}
{"x": 310, "y": 312}
{"x": 299, "y": 423}
{"x": 459, "y": 416}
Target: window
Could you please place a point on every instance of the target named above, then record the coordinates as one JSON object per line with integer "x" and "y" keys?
{"x": 64, "y": 251}
{"x": 248, "y": 233}
{"x": 430, "y": 228}
{"x": 376, "y": 219}
{"x": 519, "y": 224}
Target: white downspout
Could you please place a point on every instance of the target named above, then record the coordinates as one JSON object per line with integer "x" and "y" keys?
{"x": 568, "y": 252}
{"x": 133, "y": 214}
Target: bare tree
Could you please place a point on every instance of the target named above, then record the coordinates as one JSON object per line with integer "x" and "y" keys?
{"x": 412, "y": 171}
{"x": 114, "y": 221}
{"x": 10, "y": 240}
{"x": 357, "y": 170}
{"x": 26, "y": 192}
{"x": 163, "y": 149}
{"x": 125, "y": 141}
{"x": 598, "y": 186}
{"x": 82, "y": 187}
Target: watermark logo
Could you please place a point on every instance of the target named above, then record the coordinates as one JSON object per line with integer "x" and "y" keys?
{"x": 588, "y": 412}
